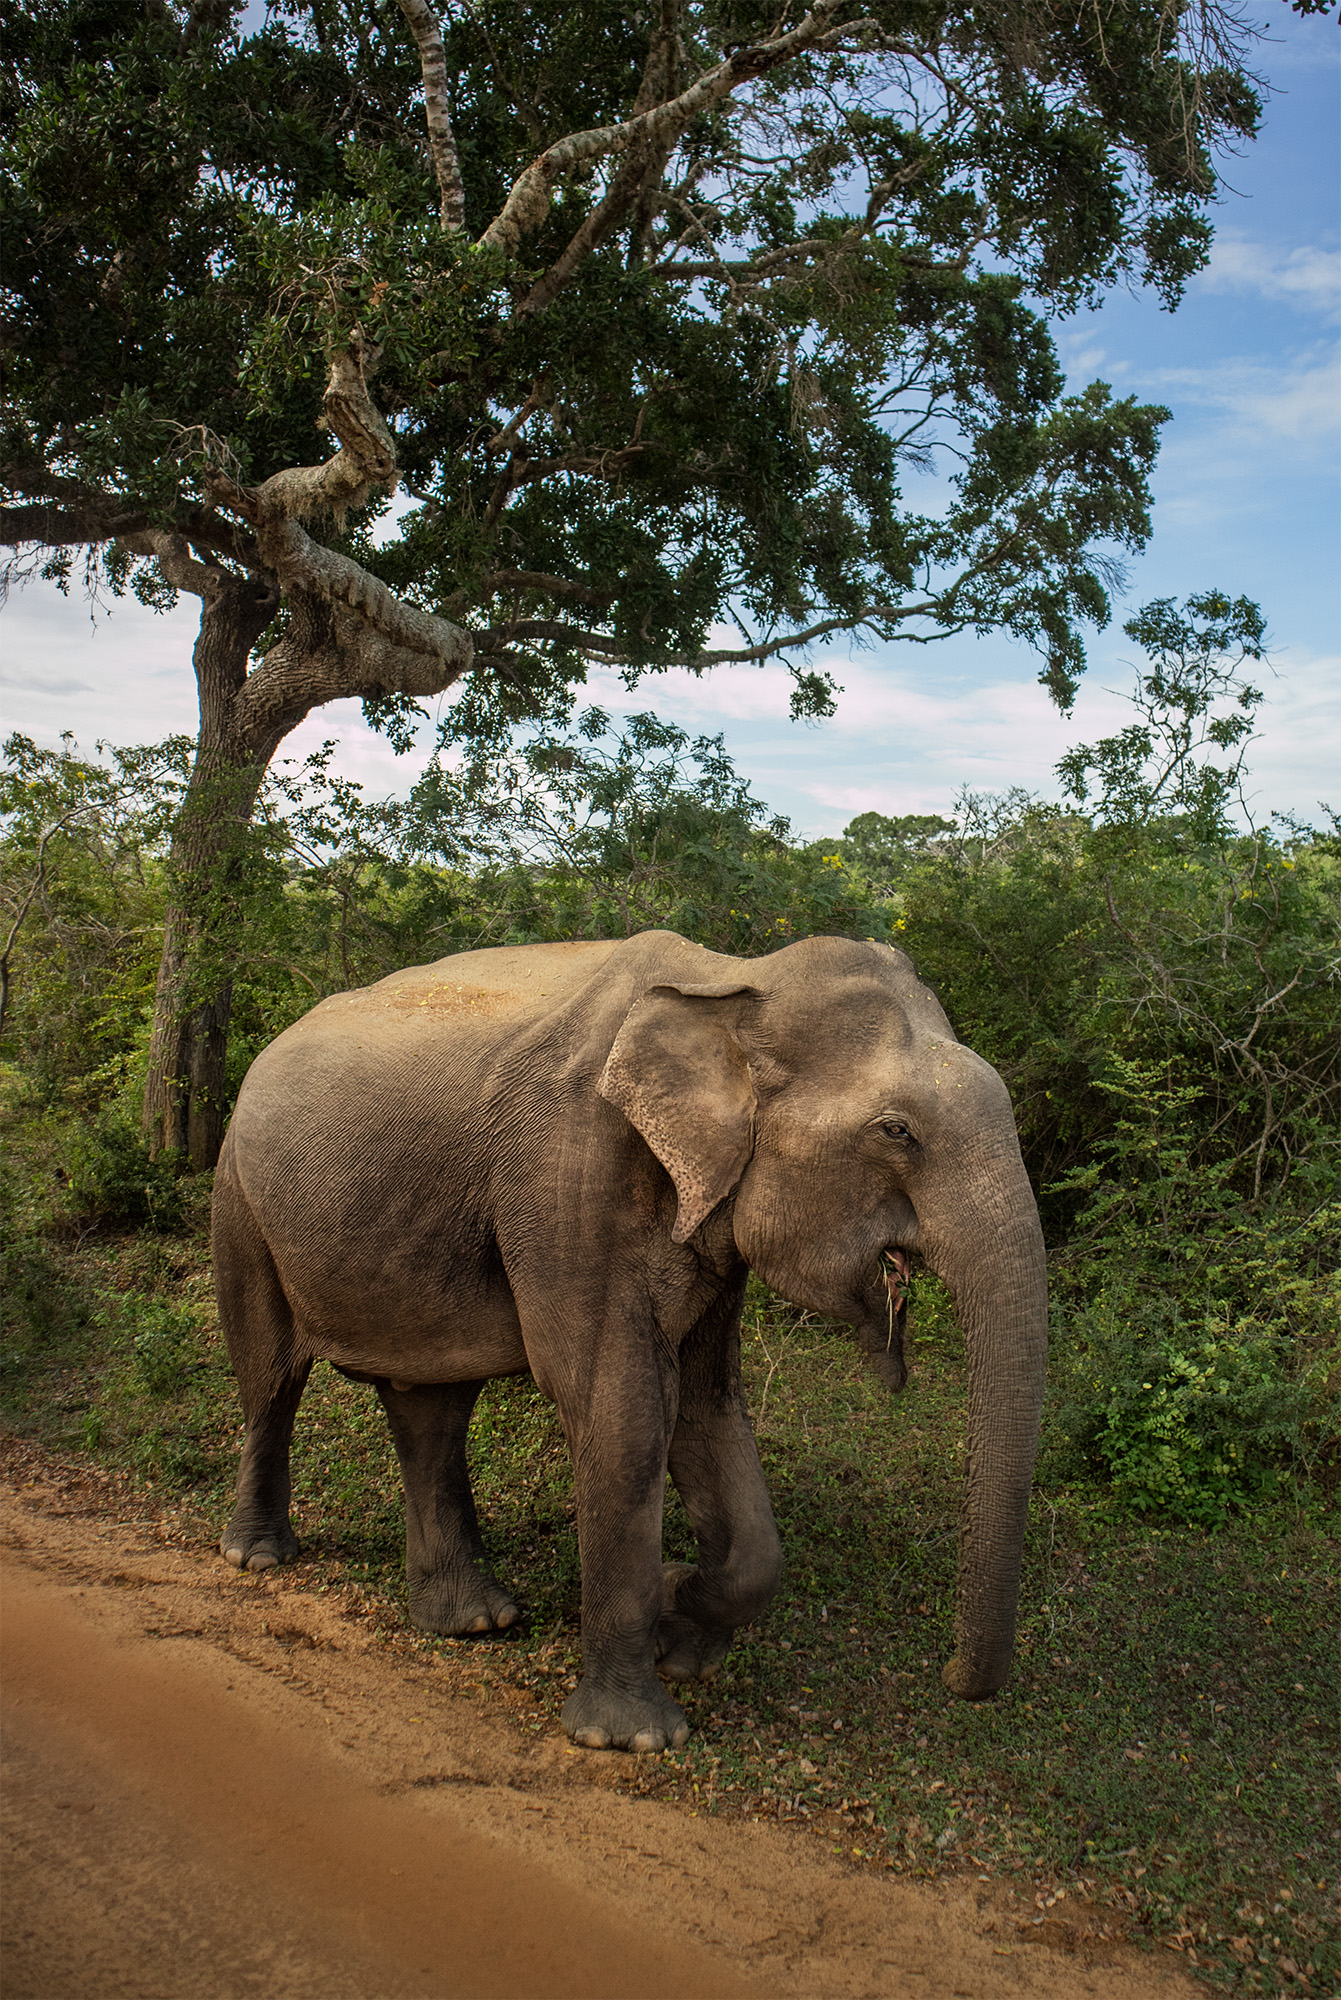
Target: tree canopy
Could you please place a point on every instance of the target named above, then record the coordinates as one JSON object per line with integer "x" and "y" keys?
{"x": 664, "y": 305}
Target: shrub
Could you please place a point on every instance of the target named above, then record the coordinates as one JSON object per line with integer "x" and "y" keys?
{"x": 110, "y": 1178}
{"x": 1188, "y": 1415}
{"x": 163, "y": 1345}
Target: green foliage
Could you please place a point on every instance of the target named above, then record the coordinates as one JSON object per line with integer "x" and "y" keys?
{"x": 163, "y": 1344}
{"x": 81, "y": 903}
{"x": 110, "y": 1178}
{"x": 592, "y": 834}
{"x": 1167, "y": 1018}
{"x": 1191, "y": 1419}
{"x": 1195, "y": 1357}
{"x": 1063, "y": 950}
{"x": 1192, "y": 698}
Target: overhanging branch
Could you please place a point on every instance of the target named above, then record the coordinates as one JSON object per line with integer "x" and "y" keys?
{"x": 616, "y": 652}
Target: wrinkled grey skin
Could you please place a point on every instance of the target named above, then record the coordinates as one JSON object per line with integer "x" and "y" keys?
{"x": 564, "y": 1158}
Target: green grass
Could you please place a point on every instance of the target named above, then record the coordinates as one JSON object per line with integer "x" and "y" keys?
{"x": 1167, "y": 1747}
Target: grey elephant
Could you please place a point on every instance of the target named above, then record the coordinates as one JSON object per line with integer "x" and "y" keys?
{"x": 564, "y": 1159}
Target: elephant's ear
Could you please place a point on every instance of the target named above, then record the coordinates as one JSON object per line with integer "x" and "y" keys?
{"x": 681, "y": 1077}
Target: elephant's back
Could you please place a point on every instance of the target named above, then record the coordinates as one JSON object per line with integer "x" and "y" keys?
{"x": 421, "y": 1020}
{"x": 505, "y": 983}
{"x": 372, "y": 1086}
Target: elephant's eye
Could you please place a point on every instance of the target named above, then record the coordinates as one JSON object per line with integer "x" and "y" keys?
{"x": 895, "y": 1131}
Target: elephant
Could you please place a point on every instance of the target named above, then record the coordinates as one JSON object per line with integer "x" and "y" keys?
{"x": 564, "y": 1159}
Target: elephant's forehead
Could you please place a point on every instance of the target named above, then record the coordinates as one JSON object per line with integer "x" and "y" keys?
{"x": 837, "y": 1080}
{"x": 880, "y": 1007}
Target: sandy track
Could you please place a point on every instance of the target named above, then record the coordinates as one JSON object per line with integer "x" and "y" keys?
{"x": 218, "y": 1786}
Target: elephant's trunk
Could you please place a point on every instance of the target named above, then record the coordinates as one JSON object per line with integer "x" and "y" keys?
{"x": 991, "y": 1256}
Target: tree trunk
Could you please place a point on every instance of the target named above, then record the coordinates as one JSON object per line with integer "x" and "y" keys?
{"x": 347, "y": 634}
{"x": 185, "y": 1095}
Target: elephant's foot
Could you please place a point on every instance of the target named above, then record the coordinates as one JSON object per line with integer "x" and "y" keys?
{"x": 604, "y": 1718}
{"x": 463, "y": 1602}
{"x": 685, "y": 1649}
{"x": 258, "y": 1546}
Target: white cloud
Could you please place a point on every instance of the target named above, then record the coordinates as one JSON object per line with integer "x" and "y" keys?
{"x": 910, "y": 732}
{"x": 1296, "y": 763}
{"x": 122, "y": 675}
{"x": 1308, "y": 277}
{"x": 1084, "y": 359}
{"x": 44, "y": 684}
{"x": 1297, "y": 398}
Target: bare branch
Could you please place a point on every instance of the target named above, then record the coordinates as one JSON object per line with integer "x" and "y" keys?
{"x": 424, "y": 27}
{"x": 54, "y": 526}
{"x": 502, "y": 439}
{"x": 522, "y": 471}
{"x": 615, "y": 651}
{"x": 61, "y": 512}
{"x": 634, "y": 186}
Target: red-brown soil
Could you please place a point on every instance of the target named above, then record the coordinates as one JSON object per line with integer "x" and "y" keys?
{"x": 219, "y": 1785}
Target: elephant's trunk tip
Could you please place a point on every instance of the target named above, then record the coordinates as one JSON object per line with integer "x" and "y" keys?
{"x": 972, "y": 1681}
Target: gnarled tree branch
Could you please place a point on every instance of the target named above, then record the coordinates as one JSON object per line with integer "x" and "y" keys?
{"x": 528, "y": 202}
{"x": 366, "y": 458}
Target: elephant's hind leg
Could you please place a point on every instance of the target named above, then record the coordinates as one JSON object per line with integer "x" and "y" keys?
{"x": 452, "y": 1588}
{"x": 271, "y": 1376}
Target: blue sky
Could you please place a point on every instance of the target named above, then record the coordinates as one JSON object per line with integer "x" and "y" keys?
{"x": 1246, "y": 495}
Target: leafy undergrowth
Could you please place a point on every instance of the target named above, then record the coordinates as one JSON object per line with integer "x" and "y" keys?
{"x": 1166, "y": 1750}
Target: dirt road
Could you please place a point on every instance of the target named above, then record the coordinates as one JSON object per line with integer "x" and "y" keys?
{"x": 217, "y": 1786}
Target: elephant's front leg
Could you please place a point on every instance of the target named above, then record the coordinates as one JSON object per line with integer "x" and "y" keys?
{"x": 619, "y": 1446}
{"x": 715, "y": 1465}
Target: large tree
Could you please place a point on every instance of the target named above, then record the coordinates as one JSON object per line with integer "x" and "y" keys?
{"x": 663, "y": 302}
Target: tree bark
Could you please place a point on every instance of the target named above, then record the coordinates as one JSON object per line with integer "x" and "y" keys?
{"x": 185, "y": 1096}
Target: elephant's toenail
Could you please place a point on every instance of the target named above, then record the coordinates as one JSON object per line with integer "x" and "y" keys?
{"x": 234, "y": 1557}
{"x": 648, "y": 1739}
{"x": 593, "y": 1739}
{"x": 262, "y": 1560}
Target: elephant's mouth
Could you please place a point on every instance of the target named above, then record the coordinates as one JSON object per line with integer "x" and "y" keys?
{"x": 880, "y": 1328}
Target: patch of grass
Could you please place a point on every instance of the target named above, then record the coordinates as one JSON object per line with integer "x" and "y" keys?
{"x": 1167, "y": 1744}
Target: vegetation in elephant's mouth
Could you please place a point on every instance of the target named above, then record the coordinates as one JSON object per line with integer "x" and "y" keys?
{"x": 1162, "y": 1758}
{"x": 896, "y": 1274}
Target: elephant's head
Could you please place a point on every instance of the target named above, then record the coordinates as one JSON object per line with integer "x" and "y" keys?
{"x": 829, "y": 1100}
